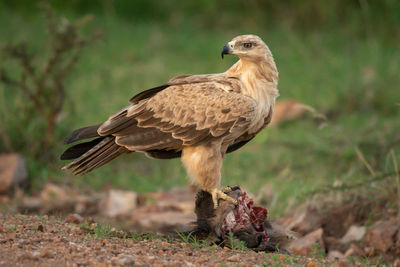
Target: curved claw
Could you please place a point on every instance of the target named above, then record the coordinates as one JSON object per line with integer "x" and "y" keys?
{"x": 217, "y": 194}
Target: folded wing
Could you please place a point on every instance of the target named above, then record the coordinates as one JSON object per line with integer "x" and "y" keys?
{"x": 182, "y": 114}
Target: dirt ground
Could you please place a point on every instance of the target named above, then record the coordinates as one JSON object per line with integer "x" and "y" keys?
{"x": 27, "y": 240}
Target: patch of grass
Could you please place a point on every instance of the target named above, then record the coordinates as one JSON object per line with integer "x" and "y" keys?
{"x": 102, "y": 231}
{"x": 135, "y": 236}
{"x": 12, "y": 228}
{"x": 149, "y": 236}
{"x": 366, "y": 261}
{"x": 236, "y": 244}
{"x": 193, "y": 240}
{"x": 317, "y": 251}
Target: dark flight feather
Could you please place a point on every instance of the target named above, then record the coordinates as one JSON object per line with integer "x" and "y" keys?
{"x": 78, "y": 150}
{"x": 82, "y": 133}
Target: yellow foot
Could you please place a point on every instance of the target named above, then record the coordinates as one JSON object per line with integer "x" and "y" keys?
{"x": 227, "y": 189}
{"x": 218, "y": 194}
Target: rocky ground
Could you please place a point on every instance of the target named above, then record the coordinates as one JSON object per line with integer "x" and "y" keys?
{"x": 52, "y": 241}
{"x": 78, "y": 232}
{"x": 347, "y": 232}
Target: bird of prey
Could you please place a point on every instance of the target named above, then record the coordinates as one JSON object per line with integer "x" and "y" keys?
{"x": 199, "y": 118}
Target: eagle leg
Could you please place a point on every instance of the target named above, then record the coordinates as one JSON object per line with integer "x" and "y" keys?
{"x": 203, "y": 164}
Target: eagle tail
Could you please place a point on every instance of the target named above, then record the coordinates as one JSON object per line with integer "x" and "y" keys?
{"x": 91, "y": 155}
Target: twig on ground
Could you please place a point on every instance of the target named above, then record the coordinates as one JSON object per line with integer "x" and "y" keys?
{"x": 363, "y": 160}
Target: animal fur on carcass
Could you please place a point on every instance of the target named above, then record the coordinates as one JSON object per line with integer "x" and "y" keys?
{"x": 247, "y": 223}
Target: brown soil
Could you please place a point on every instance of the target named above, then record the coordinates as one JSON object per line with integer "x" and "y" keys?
{"x": 51, "y": 241}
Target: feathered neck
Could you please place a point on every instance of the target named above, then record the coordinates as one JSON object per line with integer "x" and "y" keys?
{"x": 260, "y": 80}
{"x": 263, "y": 69}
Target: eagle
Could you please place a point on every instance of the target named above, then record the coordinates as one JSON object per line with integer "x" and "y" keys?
{"x": 198, "y": 118}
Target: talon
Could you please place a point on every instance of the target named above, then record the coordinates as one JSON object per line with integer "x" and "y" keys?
{"x": 227, "y": 189}
{"x": 217, "y": 194}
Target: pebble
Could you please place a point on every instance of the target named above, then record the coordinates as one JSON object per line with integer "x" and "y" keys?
{"x": 75, "y": 218}
{"x": 40, "y": 228}
{"x": 234, "y": 258}
{"x": 126, "y": 260}
{"x": 45, "y": 253}
{"x": 21, "y": 243}
{"x": 31, "y": 256}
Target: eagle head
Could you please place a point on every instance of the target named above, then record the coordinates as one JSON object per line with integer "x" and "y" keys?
{"x": 249, "y": 47}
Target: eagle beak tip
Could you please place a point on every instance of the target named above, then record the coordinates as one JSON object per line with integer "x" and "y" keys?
{"x": 225, "y": 51}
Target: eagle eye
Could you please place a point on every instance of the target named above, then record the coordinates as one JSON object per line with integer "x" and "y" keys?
{"x": 247, "y": 45}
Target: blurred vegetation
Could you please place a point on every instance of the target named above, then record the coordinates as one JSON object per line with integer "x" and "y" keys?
{"x": 40, "y": 85}
{"x": 340, "y": 57}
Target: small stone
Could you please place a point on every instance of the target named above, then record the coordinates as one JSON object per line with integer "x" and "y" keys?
{"x": 380, "y": 235}
{"x": 118, "y": 203}
{"x": 304, "y": 246}
{"x": 20, "y": 228}
{"x": 311, "y": 264}
{"x": 234, "y": 258}
{"x": 354, "y": 233}
{"x": 75, "y": 218}
{"x": 22, "y": 242}
{"x": 30, "y": 256}
{"x": 35, "y": 255}
{"x": 335, "y": 255}
{"x": 369, "y": 251}
{"x": 115, "y": 252}
{"x": 53, "y": 194}
{"x": 45, "y": 253}
{"x": 126, "y": 260}
{"x": 307, "y": 221}
{"x": 357, "y": 250}
{"x": 349, "y": 252}
{"x": 12, "y": 172}
{"x": 40, "y": 228}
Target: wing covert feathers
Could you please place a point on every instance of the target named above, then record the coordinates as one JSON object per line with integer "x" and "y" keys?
{"x": 179, "y": 115}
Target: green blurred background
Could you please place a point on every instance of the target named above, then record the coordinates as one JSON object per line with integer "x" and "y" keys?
{"x": 340, "y": 57}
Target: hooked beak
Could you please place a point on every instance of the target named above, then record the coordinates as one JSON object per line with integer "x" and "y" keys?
{"x": 226, "y": 50}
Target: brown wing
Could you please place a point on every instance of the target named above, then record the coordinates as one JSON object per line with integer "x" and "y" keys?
{"x": 246, "y": 137}
{"x": 231, "y": 84}
{"x": 183, "y": 114}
